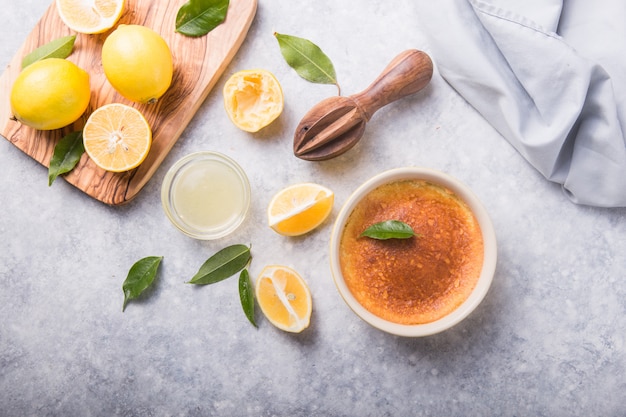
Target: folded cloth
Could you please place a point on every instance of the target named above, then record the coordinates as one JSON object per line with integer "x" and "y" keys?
{"x": 550, "y": 76}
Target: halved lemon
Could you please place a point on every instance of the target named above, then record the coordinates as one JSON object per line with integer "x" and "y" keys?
{"x": 284, "y": 298}
{"x": 253, "y": 99}
{"x": 117, "y": 137}
{"x": 90, "y": 16}
{"x": 299, "y": 208}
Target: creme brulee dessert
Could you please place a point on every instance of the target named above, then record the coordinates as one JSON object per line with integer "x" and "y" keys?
{"x": 420, "y": 279}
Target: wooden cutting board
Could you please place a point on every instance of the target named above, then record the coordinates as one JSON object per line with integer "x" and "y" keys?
{"x": 198, "y": 64}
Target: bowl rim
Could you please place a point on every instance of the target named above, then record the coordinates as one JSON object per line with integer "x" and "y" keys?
{"x": 169, "y": 182}
{"x": 489, "y": 257}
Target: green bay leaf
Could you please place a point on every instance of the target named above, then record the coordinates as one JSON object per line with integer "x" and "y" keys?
{"x": 389, "y": 229}
{"x": 307, "y": 59}
{"x": 223, "y": 264}
{"x": 246, "y": 295}
{"x": 57, "y": 48}
{"x": 199, "y": 17}
{"x": 140, "y": 276}
{"x": 67, "y": 153}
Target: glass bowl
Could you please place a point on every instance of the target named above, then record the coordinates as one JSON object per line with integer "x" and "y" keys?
{"x": 206, "y": 195}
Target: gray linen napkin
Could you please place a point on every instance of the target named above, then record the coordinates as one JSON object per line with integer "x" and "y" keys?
{"x": 550, "y": 76}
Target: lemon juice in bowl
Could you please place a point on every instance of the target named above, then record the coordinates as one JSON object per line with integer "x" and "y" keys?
{"x": 206, "y": 195}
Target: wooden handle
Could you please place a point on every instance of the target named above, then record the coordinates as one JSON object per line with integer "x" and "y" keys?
{"x": 407, "y": 74}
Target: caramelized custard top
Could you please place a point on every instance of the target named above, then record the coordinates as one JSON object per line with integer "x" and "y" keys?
{"x": 420, "y": 279}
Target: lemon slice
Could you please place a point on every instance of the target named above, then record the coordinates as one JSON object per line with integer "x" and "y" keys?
{"x": 117, "y": 137}
{"x": 299, "y": 208}
{"x": 284, "y": 298}
{"x": 253, "y": 99}
{"x": 90, "y": 16}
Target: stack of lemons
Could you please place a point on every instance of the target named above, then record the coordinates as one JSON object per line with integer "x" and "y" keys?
{"x": 54, "y": 93}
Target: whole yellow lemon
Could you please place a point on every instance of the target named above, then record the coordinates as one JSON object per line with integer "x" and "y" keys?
{"x": 138, "y": 63}
{"x": 50, "y": 94}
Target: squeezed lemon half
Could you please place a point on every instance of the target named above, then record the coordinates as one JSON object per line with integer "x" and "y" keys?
{"x": 253, "y": 99}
